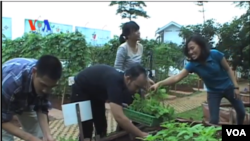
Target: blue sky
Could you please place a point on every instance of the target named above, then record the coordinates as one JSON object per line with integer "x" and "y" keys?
{"x": 100, "y": 15}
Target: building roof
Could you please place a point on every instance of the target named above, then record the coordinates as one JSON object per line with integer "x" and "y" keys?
{"x": 166, "y": 26}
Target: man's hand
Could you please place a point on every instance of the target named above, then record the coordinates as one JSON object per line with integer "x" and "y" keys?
{"x": 16, "y": 131}
{"x": 48, "y": 138}
{"x": 144, "y": 134}
{"x": 43, "y": 121}
{"x": 33, "y": 138}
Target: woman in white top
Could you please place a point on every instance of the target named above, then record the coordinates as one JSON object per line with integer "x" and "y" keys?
{"x": 130, "y": 51}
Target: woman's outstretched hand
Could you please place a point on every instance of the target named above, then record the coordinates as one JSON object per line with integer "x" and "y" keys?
{"x": 154, "y": 87}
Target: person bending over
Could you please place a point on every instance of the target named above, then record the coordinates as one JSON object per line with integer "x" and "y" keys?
{"x": 103, "y": 83}
{"x": 26, "y": 84}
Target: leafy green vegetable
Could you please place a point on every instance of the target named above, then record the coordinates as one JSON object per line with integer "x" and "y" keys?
{"x": 175, "y": 131}
{"x": 152, "y": 106}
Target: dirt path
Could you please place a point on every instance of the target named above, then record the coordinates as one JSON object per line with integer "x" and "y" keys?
{"x": 193, "y": 101}
{"x": 188, "y": 103}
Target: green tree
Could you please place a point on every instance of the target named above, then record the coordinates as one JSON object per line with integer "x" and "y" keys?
{"x": 130, "y": 9}
{"x": 233, "y": 43}
{"x": 246, "y": 20}
{"x": 235, "y": 36}
{"x": 208, "y": 30}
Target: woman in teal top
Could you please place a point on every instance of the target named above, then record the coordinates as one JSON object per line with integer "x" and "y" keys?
{"x": 214, "y": 70}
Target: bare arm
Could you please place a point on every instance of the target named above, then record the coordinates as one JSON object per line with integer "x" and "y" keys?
{"x": 9, "y": 89}
{"x": 43, "y": 121}
{"x": 120, "y": 58}
{"x": 14, "y": 130}
{"x": 229, "y": 71}
{"x": 174, "y": 79}
{"x": 115, "y": 94}
{"x": 123, "y": 121}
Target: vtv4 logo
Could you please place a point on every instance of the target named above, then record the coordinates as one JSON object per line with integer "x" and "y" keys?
{"x": 46, "y": 26}
{"x": 236, "y": 132}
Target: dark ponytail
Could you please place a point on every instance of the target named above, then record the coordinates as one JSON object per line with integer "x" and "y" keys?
{"x": 126, "y": 29}
{"x": 122, "y": 39}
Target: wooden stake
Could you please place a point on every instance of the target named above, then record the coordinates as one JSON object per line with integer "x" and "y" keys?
{"x": 198, "y": 84}
{"x": 79, "y": 121}
{"x": 64, "y": 91}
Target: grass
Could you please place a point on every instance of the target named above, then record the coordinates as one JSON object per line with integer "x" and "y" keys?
{"x": 195, "y": 114}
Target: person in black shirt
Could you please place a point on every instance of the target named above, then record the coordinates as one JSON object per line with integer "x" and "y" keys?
{"x": 103, "y": 83}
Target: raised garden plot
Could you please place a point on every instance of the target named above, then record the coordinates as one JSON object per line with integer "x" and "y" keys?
{"x": 179, "y": 130}
{"x": 176, "y": 131}
{"x": 227, "y": 114}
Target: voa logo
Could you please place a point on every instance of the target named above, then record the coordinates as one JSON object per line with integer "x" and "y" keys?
{"x": 236, "y": 132}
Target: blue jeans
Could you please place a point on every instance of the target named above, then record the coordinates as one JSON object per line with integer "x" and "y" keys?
{"x": 214, "y": 100}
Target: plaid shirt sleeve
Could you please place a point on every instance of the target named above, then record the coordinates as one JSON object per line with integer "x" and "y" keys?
{"x": 11, "y": 84}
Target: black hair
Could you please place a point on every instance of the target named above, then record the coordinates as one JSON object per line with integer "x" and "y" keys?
{"x": 135, "y": 70}
{"x": 201, "y": 42}
{"x": 127, "y": 28}
{"x": 49, "y": 65}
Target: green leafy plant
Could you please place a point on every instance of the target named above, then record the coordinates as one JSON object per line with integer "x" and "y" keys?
{"x": 161, "y": 94}
{"x": 152, "y": 106}
{"x": 70, "y": 48}
{"x": 191, "y": 79}
{"x": 76, "y": 54}
{"x": 176, "y": 131}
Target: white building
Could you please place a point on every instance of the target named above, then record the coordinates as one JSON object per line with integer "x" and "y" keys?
{"x": 170, "y": 33}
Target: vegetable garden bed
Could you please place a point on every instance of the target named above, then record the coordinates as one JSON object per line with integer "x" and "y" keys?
{"x": 178, "y": 130}
{"x": 151, "y": 113}
{"x": 227, "y": 114}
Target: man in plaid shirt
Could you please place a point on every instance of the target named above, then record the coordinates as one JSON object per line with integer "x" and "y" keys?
{"x": 26, "y": 84}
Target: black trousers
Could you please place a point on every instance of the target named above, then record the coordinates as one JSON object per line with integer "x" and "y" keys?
{"x": 98, "y": 112}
